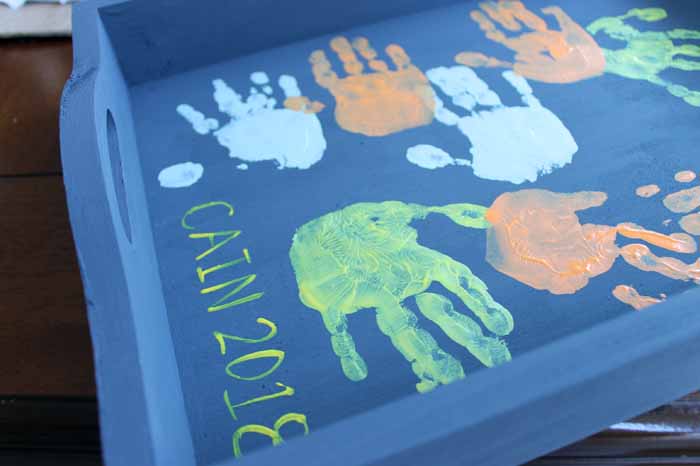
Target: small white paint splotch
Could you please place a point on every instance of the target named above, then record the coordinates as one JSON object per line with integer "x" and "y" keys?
{"x": 514, "y": 144}
{"x": 259, "y": 128}
{"x": 180, "y": 175}
{"x": 431, "y": 157}
{"x": 259, "y": 77}
{"x": 242, "y": 166}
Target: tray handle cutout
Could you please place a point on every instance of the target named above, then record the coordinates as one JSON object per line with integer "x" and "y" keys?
{"x": 117, "y": 171}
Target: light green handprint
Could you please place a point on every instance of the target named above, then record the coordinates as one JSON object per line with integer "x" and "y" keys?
{"x": 367, "y": 256}
{"x": 649, "y": 53}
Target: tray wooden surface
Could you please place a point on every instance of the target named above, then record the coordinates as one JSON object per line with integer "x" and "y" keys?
{"x": 48, "y": 413}
{"x": 647, "y": 440}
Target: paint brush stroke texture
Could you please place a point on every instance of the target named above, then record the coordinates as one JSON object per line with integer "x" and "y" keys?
{"x": 377, "y": 102}
{"x": 647, "y": 54}
{"x": 514, "y": 144}
{"x": 367, "y": 256}
{"x": 554, "y": 56}
{"x": 258, "y": 129}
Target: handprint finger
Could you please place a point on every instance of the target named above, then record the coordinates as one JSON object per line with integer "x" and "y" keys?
{"x": 584, "y": 200}
{"x": 463, "y": 330}
{"x": 641, "y": 257}
{"x": 646, "y": 14}
{"x": 521, "y": 85}
{"x": 565, "y": 22}
{"x": 443, "y": 114}
{"x": 201, "y": 124}
{"x": 479, "y": 60}
{"x": 685, "y": 176}
{"x": 354, "y": 367}
{"x": 466, "y": 215}
{"x": 293, "y": 98}
{"x": 510, "y": 14}
{"x": 429, "y": 362}
{"x": 361, "y": 44}
{"x": 260, "y": 78}
{"x": 458, "y": 279}
{"x": 689, "y": 50}
{"x": 691, "y": 224}
{"x": 399, "y": 56}
{"x": 683, "y": 34}
{"x": 464, "y": 87}
{"x": 448, "y": 84}
{"x": 261, "y": 94}
{"x": 489, "y": 28}
{"x": 629, "y": 295}
{"x": 322, "y": 69}
{"x": 502, "y": 13}
{"x": 342, "y": 47}
{"x": 289, "y": 86}
{"x": 676, "y": 242}
{"x": 229, "y": 101}
{"x": 683, "y": 201}
{"x": 528, "y": 18}
{"x": 685, "y": 65}
{"x": 303, "y": 104}
{"x": 691, "y": 97}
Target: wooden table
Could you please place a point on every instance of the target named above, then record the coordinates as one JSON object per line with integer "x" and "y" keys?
{"x": 48, "y": 411}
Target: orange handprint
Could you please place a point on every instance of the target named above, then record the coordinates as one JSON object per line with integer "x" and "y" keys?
{"x": 537, "y": 238}
{"x": 378, "y": 103}
{"x": 546, "y": 55}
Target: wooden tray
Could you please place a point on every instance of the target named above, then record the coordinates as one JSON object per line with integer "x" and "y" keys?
{"x": 228, "y": 239}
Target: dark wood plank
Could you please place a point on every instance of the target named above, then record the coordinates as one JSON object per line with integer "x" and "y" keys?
{"x": 32, "y": 75}
{"x": 50, "y": 424}
{"x": 44, "y": 339}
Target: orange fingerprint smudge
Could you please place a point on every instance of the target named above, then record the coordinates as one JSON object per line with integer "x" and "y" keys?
{"x": 629, "y": 295}
{"x": 648, "y": 190}
{"x": 677, "y": 242}
{"x": 691, "y": 224}
{"x": 684, "y": 201}
{"x": 686, "y": 176}
{"x": 537, "y": 239}
{"x": 303, "y": 104}
{"x": 641, "y": 257}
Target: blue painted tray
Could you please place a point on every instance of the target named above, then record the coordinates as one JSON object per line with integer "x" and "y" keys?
{"x": 330, "y": 219}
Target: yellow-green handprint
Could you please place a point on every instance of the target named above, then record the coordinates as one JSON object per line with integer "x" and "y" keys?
{"x": 367, "y": 256}
{"x": 649, "y": 53}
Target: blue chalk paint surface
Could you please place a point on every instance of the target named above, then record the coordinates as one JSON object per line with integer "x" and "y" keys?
{"x": 211, "y": 129}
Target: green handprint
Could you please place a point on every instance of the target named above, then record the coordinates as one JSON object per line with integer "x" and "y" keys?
{"x": 649, "y": 53}
{"x": 367, "y": 256}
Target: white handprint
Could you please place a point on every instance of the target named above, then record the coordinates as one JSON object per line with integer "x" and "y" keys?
{"x": 291, "y": 136}
{"x": 514, "y": 144}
